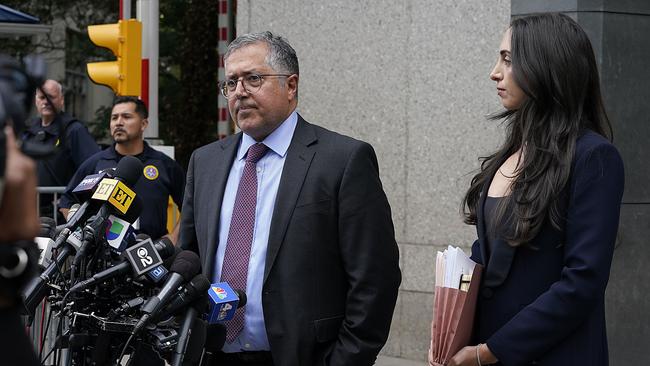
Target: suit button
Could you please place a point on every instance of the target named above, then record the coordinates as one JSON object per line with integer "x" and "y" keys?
{"x": 487, "y": 292}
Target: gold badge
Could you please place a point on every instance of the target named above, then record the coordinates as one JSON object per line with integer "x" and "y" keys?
{"x": 150, "y": 172}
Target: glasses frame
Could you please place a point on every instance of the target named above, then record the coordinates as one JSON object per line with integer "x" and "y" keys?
{"x": 227, "y": 94}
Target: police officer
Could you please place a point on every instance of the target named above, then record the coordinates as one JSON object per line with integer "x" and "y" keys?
{"x": 54, "y": 127}
{"x": 161, "y": 177}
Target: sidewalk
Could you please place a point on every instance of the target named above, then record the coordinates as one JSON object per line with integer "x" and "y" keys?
{"x": 392, "y": 361}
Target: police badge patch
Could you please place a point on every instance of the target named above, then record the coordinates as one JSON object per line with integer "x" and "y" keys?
{"x": 150, "y": 172}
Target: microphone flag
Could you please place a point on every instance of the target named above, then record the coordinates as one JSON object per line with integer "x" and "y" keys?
{"x": 223, "y": 302}
{"x": 118, "y": 194}
{"x": 116, "y": 232}
{"x": 143, "y": 257}
{"x": 88, "y": 183}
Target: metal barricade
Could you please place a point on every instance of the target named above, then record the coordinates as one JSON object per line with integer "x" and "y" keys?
{"x": 43, "y": 334}
{"x": 54, "y": 190}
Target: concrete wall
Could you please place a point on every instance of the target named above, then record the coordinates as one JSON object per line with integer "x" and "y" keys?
{"x": 411, "y": 78}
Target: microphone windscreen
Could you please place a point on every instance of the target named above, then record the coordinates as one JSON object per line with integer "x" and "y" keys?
{"x": 187, "y": 264}
{"x": 215, "y": 337}
{"x": 129, "y": 169}
{"x": 200, "y": 283}
{"x": 165, "y": 248}
{"x": 48, "y": 227}
{"x": 242, "y": 298}
{"x": 134, "y": 210}
{"x": 167, "y": 262}
{"x": 142, "y": 237}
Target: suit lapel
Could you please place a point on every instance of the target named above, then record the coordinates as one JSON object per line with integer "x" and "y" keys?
{"x": 214, "y": 181}
{"x": 299, "y": 156}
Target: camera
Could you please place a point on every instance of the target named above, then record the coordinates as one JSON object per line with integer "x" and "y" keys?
{"x": 18, "y": 82}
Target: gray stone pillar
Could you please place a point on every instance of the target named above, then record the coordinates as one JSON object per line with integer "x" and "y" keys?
{"x": 620, "y": 33}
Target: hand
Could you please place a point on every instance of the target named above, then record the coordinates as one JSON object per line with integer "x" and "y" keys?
{"x": 18, "y": 217}
{"x": 467, "y": 356}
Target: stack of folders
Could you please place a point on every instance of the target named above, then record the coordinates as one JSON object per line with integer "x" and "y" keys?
{"x": 456, "y": 289}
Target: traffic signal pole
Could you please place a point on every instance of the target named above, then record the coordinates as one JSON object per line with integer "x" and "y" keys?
{"x": 148, "y": 12}
{"x": 125, "y": 9}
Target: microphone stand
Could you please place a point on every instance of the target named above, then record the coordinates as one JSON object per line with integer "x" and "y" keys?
{"x": 184, "y": 335}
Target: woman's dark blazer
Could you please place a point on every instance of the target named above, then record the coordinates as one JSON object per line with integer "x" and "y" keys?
{"x": 543, "y": 303}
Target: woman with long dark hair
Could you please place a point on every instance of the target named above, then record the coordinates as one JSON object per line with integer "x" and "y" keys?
{"x": 546, "y": 204}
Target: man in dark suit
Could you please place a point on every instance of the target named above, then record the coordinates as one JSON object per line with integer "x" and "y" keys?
{"x": 295, "y": 215}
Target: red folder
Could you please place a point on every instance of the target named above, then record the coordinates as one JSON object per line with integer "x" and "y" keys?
{"x": 453, "y": 319}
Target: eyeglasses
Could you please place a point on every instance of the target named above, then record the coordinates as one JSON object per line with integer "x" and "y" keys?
{"x": 251, "y": 83}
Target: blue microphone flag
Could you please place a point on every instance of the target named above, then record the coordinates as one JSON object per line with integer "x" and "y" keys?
{"x": 223, "y": 302}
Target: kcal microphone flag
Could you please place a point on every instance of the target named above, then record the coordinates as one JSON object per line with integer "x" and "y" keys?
{"x": 223, "y": 302}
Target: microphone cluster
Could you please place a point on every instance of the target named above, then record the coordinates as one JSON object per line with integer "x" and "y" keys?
{"x": 109, "y": 286}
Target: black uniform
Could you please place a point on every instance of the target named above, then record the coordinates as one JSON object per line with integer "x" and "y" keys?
{"x": 74, "y": 147}
{"x": 161, "y": 177}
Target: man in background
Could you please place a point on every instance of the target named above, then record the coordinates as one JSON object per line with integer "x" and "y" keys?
{"x": 69, "y": 137}
{"x": 161, "y": 177}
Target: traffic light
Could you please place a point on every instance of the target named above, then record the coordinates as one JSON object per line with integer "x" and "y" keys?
{"x": 125, "y": 40}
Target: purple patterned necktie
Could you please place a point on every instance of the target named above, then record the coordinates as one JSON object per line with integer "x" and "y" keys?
{"x": 240, "y": 235}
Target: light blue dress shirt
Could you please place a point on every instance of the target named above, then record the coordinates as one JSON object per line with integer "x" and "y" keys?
{"x": 269, "y": 170}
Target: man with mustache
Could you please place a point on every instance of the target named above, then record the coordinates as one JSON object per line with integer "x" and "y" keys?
{"x": 162, "y": 176}
{"x": 294, "y": 215}
{"x": 54, "y": 127}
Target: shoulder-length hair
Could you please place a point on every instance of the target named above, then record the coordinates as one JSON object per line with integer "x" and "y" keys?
{"x": 554, "y": 64}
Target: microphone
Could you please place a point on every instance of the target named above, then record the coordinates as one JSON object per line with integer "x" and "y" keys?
{"x": 96, "y": 227}
{"x": 48, "y": 227}
{"x": 73, "y": 209}
{"x": 191, "y": 291}
{"x": 37, "y": 288}
{"x": 100, "y": 221}
{"x": 45, "y": 245}
{"x": 162, "y": 248}
{"x": 214, "y": 340}
{"x": 191, "y": 339}
{"x": 224, "y": 301}
{"x": 121, "y": 197}
{"x": 186, "y": 266}
{"x": 106, "y": 190}
{"x": 119, "y": 234}
{"x": 80, "y": 213}
{"x": 159, "y": 273}
{"x": 114, "y": 192}
{"x": 88, "y": 185}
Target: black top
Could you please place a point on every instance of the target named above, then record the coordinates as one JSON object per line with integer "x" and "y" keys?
{"x": 72, "y": 149}
{"x": 489, "y": 210}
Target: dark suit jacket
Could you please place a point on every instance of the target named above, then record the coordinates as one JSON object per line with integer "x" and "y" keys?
{"x": 544, "y": 303}
{"x": 331, "y": 273}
